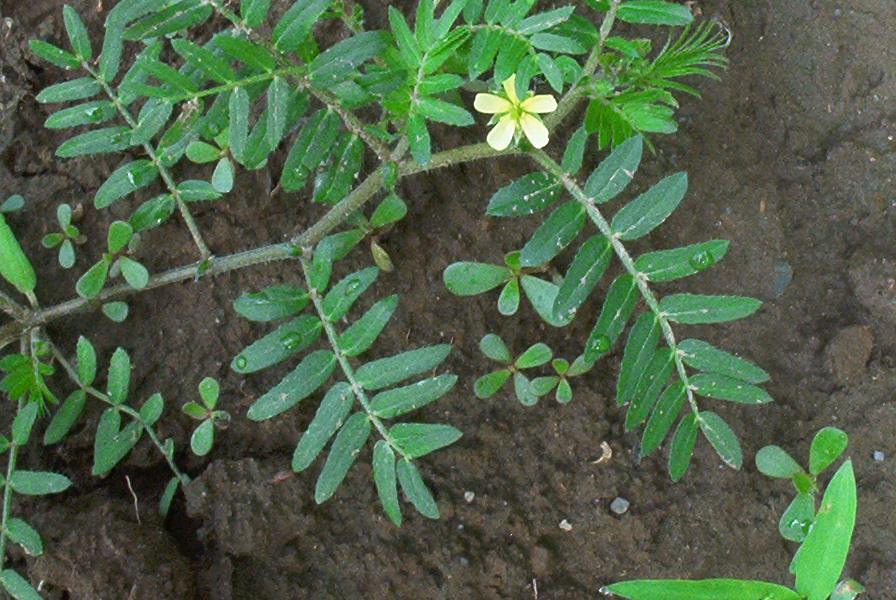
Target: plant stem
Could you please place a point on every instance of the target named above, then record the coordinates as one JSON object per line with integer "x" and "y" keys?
{"x": 7, "y": 492}
{"x": 550, "y": 166}
{"x": 11, "y": 307}
{"x": 73, "y": 375}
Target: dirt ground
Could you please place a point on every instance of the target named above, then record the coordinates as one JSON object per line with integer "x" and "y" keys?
{"x": 791, "y": 156}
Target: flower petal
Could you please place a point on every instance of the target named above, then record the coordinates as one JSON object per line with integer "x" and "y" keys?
{"x": 510, "y": 89}
{"x": 534, "y": 130}
{"x": 491, "y": 104}
{"x": 501, "y": 134}
{"x": 544, "y": 103}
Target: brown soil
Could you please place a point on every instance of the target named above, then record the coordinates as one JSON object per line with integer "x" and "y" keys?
{"x": 791, "y": 157}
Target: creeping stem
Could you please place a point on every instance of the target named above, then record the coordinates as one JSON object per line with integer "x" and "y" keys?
{"x": 7, "y": 491}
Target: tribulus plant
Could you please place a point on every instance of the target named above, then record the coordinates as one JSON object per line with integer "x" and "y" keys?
{"x": 350, "y": 120}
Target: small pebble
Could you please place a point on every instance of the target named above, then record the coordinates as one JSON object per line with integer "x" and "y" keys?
{"x": 878, "y": 456}
{"x": 468, "y": 496}
{"x": 565, "y": 525}
{"x": 619, "y": 505}
{"x": 463, "y": 561}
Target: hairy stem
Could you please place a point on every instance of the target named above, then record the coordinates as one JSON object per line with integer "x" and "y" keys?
{"x": 550, "y": 166}
{"x": 11, "y": 307}
{"x": 7, "y": 492}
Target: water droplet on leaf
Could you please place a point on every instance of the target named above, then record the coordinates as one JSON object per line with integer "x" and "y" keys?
{"x": 702, "y": 260}
{"x": 599, "y": 344}
{"x": 291, "y": 341}
{"x": 241, "y": 362}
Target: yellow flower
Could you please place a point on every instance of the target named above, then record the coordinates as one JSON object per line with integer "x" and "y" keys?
{"x": 514, "y": 115}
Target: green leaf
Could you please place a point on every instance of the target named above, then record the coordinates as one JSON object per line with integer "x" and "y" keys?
{"x": 413, "y": 486}
{"x": 419, "y": 439}
{"x": 272, "y": 303}
{"x": 254, "y": 12}
{"x": 797, "y": 520}
{"x": 334, "y": 184}
{"x": 54, "y": 55}
{"x": 649, "y": 385}
{"x": 38, "y": 483}
{"x": 524, "y": 196}
{"x": 386, "y": 480}
{"x": 444, "y": 112}
{"x": 398, "y": 401}
{"x": 726, "y": 388}
{"x": 246, "y": 51}
{"x": 534, "y": 356}
{"x": 330, "y": 416}
{"x": 343, "y": 295}
{"x": 77, "y": 33}
{"x": 363, "y": 332}
{"x": 418, "y": 138}
{"x": 494, "y": 347}
{"x": 488, "y": 385}
{"x": 97, "y": 141}
{"x": 776, "y": 462}
{"x": 14, "y": 264}
{"x": 65, "y": 418}
{"x": 204, "y": 61}
{"x": 823, "y": 554}
{"x": 827, "y": 446}
{"x": 708, "y": 358}
{"x": 124, "y": 180}
{"x": 707, "y": 589}
{"x": 88, "y": 113}
{"x": 543, "y": 296}
{"x": 574, "y": 154}
{"x": 294, "y": 27}
{"x": 23, "y": 422}
{"x": 390, "y": 210}
{"x": 407, "y": 44}
{"x": 695, "y": 309}
{"x": 152, "y": 409}
{"x": 278, "y": 104}
{"x": 556, "y": 43}
{"x": 120, "y": 234}
{"x": 203, "y": 438}
{"x": 176, "y": 17}
{"x": 119, "y": 376}
{"x": 239, "y": 123}
{"x": 86, "y": 361}
{"x": 682, "y": 446}
{"x": 663, "y": 416}
{"x": 116, "y": 311}
{"x": 615, "y": 172}
{"x": 640, "y": 216}
{"x": 389, "y": 371}
{"x": 152, "y": 213}
{"x": 197, "y": 190}
{"x": 209, "y": 389}
{"x": 91, "y": 283}
{"x": 311, "y": 373}
{"x": 509, "y": 298}
{"x": 667, "y": 265}
{"x": 348, "y": 443}
{"x": 618, "y": 306}
{"x": 554, "y": 234}
{"x": 134, "y": 273}
{"x": 67, "y": 91}
{"x": 654, "y": 12}
{"x": 471, "y": 278}
{"x": 25, "y": 535}
{"x": 153, "y": 116}
{"x": 285, "y": 341}
{"x": 17, "y": 586}
{"x": 222, "y": 178}
{"x": 721, "y": 437}
{"x": 639, "y": 349}
{"x": 545, "y": 20}
{"x": 202, "y": 152}
{"x": 168, "y": 496}
{"x": 313, "y": 144}
{"x": 587, "y": 268}
{"x": 344, "y": 58}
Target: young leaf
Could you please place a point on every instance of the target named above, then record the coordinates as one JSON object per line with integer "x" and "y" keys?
{"x": 721, "y": 437}
{"x": 152, "y": 409}
{"x": 168, "y": 496}
{"x": 797, "y": 520}
{"x": 386, "y": 480}
{"x": 726, "y": 388}
{"x": 708, "y": 358}
{"x": 534, "y": 356}
{"x": 343, "y": 295}
{"x": 824, "y": 551}
{"x": 695, "y": 309}
{"x": 197, "y": 190}
{"x": 640, "y": 216}
{"x": 285, "y": 341}
{"x": 311, "y": 373}
{"x": 389, "y": 371}
{"x": 827, "y": 446}
{"x": 494, "y": 347}
{"x": 209, "y": 389}
{"x": 330, "y": 416}
{"x": 203, "y": 438}
{"x": 615, "y": 172}
{"x": 25, "y": 535}
{"x": 775, "y": 462}
{"x": 488, "y": 385}
{"x": 272, "y": 303}
{"x": 522, "y": 387}
{"x": 14, "y": 264}
{"x": 38, "y": 483}
{"x": 682, "y": 446}
{"x": 663, "y": 416}
{"x": 116, "y": 311}
{"x": 413, "y": 486}
{"x": 119, "y": 376}
{"x": 639, "y": 349}
{"x": 707, "y": 589}
{"x": 666, "y": 265}
{"x": 419, "y": 439}
{"x": 470, "y": 278}
{"x": 654, "y": 12}
{"x": 554, "y": 234}
{"x": 222, "y": 178}
{"x": 618, "y": 306}
{"x": 348, "y": 443}
{"x": 390, "y": 210}
{"x": 398, "y": 401}
{"x": 509, "y": 298}
{"x": 524, "y": 196}
{"x": 585, "y": 271}
{"x": 65, "y": 418}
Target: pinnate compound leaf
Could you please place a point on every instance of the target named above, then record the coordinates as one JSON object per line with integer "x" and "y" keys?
{"x": 65, "y": 418}
{"x": 774, "y": 461}
{"x": 494, "y": 347}
{"x": 797, "y": 520}
{"x": 640, "y": 216}
{"x": 472, "y": 278}
{"x": 682, "y": 447}
{"x": 343, "y": 295}
{"x": 285, "y": 341}
{"x": 419, "y": 439}
{"x": 618, "y": 306}
{"x": 706, "y": 589}
{"x": 389, "y": 371}
{"x": 25, "y": 535}
{"x": 413, "y": 486}
{"x": 586, "y": 269}
{"x": 721, "y": 437}
{"x": 38, "y": 483}
{"x": 639, "y": 349}
{"x": 663, "y": 416}
{"x": 395, "y": 402}
{"x": 386, "y": 480}
{"x": 348, "y": 443}
{"x": 654, "y": 12}
{"x": 17, "y": 586}
{"x": 554, "y": 235}
{"x": 666, "y": 265}
{"x": 823, "y": 553}
{"x": 311, "y": 373}
{"x": 726, "y": 388}
{"x": 615, "y": 172}
{"x": 708, "y": 358}
{"x": 330, "y": 416}
{"x": 827, "y": 446}
{"x": 696, "y": 309}
{"x": 527, "y": 195}
{"x": 272, "y": 303}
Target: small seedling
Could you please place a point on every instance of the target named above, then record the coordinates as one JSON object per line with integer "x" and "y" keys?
{"x": 203, "y": 437}
{"x": 66, "y": 238}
